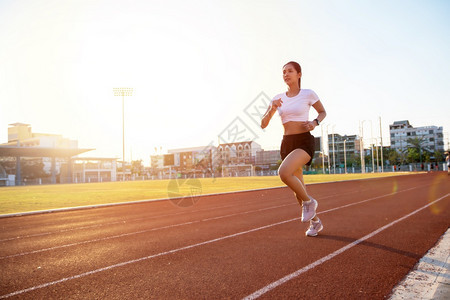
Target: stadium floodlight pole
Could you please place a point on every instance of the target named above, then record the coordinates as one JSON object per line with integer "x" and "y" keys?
{"x": 123, "y": 92}
{"x": 323, "y": 151}
{"x": 376, "y": 151}
{"x": 372, "y": 144}
{"x": 381, "y": 144}
{"x": 334, "y": 152}
{"x": 361, "y": 147}
{"x": 328, "y": 148}
{"x": 373, "y": 164}
{"x": 345, "y": 157}
{"x": 332, "y": 145}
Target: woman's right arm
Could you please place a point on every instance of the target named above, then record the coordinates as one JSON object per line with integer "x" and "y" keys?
{"x": 270, "y": 112}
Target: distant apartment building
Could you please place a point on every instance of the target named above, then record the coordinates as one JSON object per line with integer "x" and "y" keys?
{"x": 343, "y": 145}
{"x": 265, "y": 159}
{"x": 432, "y": 137}
{"x": 238, "y": 153}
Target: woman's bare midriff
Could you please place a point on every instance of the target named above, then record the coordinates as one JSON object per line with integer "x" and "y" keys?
{"x": 294, "y": 127}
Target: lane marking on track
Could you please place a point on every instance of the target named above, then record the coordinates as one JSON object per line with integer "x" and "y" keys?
{"x": 158, "y": 216}
{"x": 197, "y": 245}
{"x": 189, "y": 223}
{"x": 330, "y": 256}
{"x": 367, "y": 200}
{"x": 126, "y": 220}
{"x": 140, "y": 259}
{"x": 147, "y": 218}
{"x": 133, "y": 233}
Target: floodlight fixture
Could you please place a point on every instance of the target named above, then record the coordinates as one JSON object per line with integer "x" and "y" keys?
{"x": 124, "y": 92}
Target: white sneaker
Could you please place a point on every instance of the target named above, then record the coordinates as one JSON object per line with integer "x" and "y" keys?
{"x": 309, "y": 209}
{"x": 314, "y": 228}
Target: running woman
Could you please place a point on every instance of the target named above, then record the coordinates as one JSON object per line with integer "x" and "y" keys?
{"x": 297, "y": 146}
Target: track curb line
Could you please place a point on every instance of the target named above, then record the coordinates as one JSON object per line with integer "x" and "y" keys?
{"x": 430, "y": 277}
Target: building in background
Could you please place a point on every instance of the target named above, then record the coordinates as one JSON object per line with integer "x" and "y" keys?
{"x": 267, "y": 159}
{"x": 194, "y": 161}
{"x": 20, "y": 134}
{"x": 238, "y": 153}
{"x": 95, "y": 169}
{"x": 431, "y": 138}
{"x": 57, "y": 155}
{"x": 238, "y": 159}
{"x": 346, "y": 148}
{"x": 205, "y": 160}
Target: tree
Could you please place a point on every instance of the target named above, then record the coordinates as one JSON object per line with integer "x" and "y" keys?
{"x": 426, "y": 156}
{"x": 393, "y": 156}
{"x": 353, "y": 160}
{"x": 413, "y": 155}
{"x": 277, "y": 166}
{"x": 439, "y": 156}
{"x": 317, "y": 162}
{"x": 417, "y": 144}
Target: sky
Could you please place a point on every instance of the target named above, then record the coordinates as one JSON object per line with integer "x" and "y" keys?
{"x": 202, "y": 71}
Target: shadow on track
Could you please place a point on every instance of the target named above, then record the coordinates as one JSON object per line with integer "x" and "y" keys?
{"x": 368, "y": 244}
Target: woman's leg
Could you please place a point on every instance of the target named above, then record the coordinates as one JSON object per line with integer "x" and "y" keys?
{"x": 299, "y": 174}
{"x": 287, "y": 171}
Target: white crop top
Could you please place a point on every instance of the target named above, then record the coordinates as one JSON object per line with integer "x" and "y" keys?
{"x": 296, "y": 108}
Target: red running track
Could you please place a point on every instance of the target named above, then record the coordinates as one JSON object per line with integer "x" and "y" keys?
{"x": 249, "y": 244}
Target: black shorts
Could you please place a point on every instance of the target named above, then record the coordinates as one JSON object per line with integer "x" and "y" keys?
{"x": 304, "y": 141}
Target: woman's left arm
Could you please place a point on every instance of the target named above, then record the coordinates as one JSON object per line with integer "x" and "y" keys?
{"x": 320, "y": 110}
{"x": 310, "y": 125}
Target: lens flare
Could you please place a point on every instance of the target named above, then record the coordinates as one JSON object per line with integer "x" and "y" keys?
{"x": 394, "y": 186}
{"x": 439, "y": 180}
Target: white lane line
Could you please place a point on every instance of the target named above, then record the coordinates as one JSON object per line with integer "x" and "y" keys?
{"x": 189, "y": 223}
{"x": 152, "y": 256}
{"x": 347, "y": 193}
{"x": 127, "y": 220}
{"x": 136, "y": 232}
{"x": 141, "y": 259}
{"x": 297, "y": 273}
{"x": 367, "y": 200}
{"x": 110, "y": 223}
{"x": 248, "y": 212}
{"x": 159, "y": 216}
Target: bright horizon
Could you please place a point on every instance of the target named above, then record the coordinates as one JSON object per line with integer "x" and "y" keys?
{"x": 196, "y": 66}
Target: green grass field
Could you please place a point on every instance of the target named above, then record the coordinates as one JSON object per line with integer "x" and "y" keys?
{"x": 44, "y": 197}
